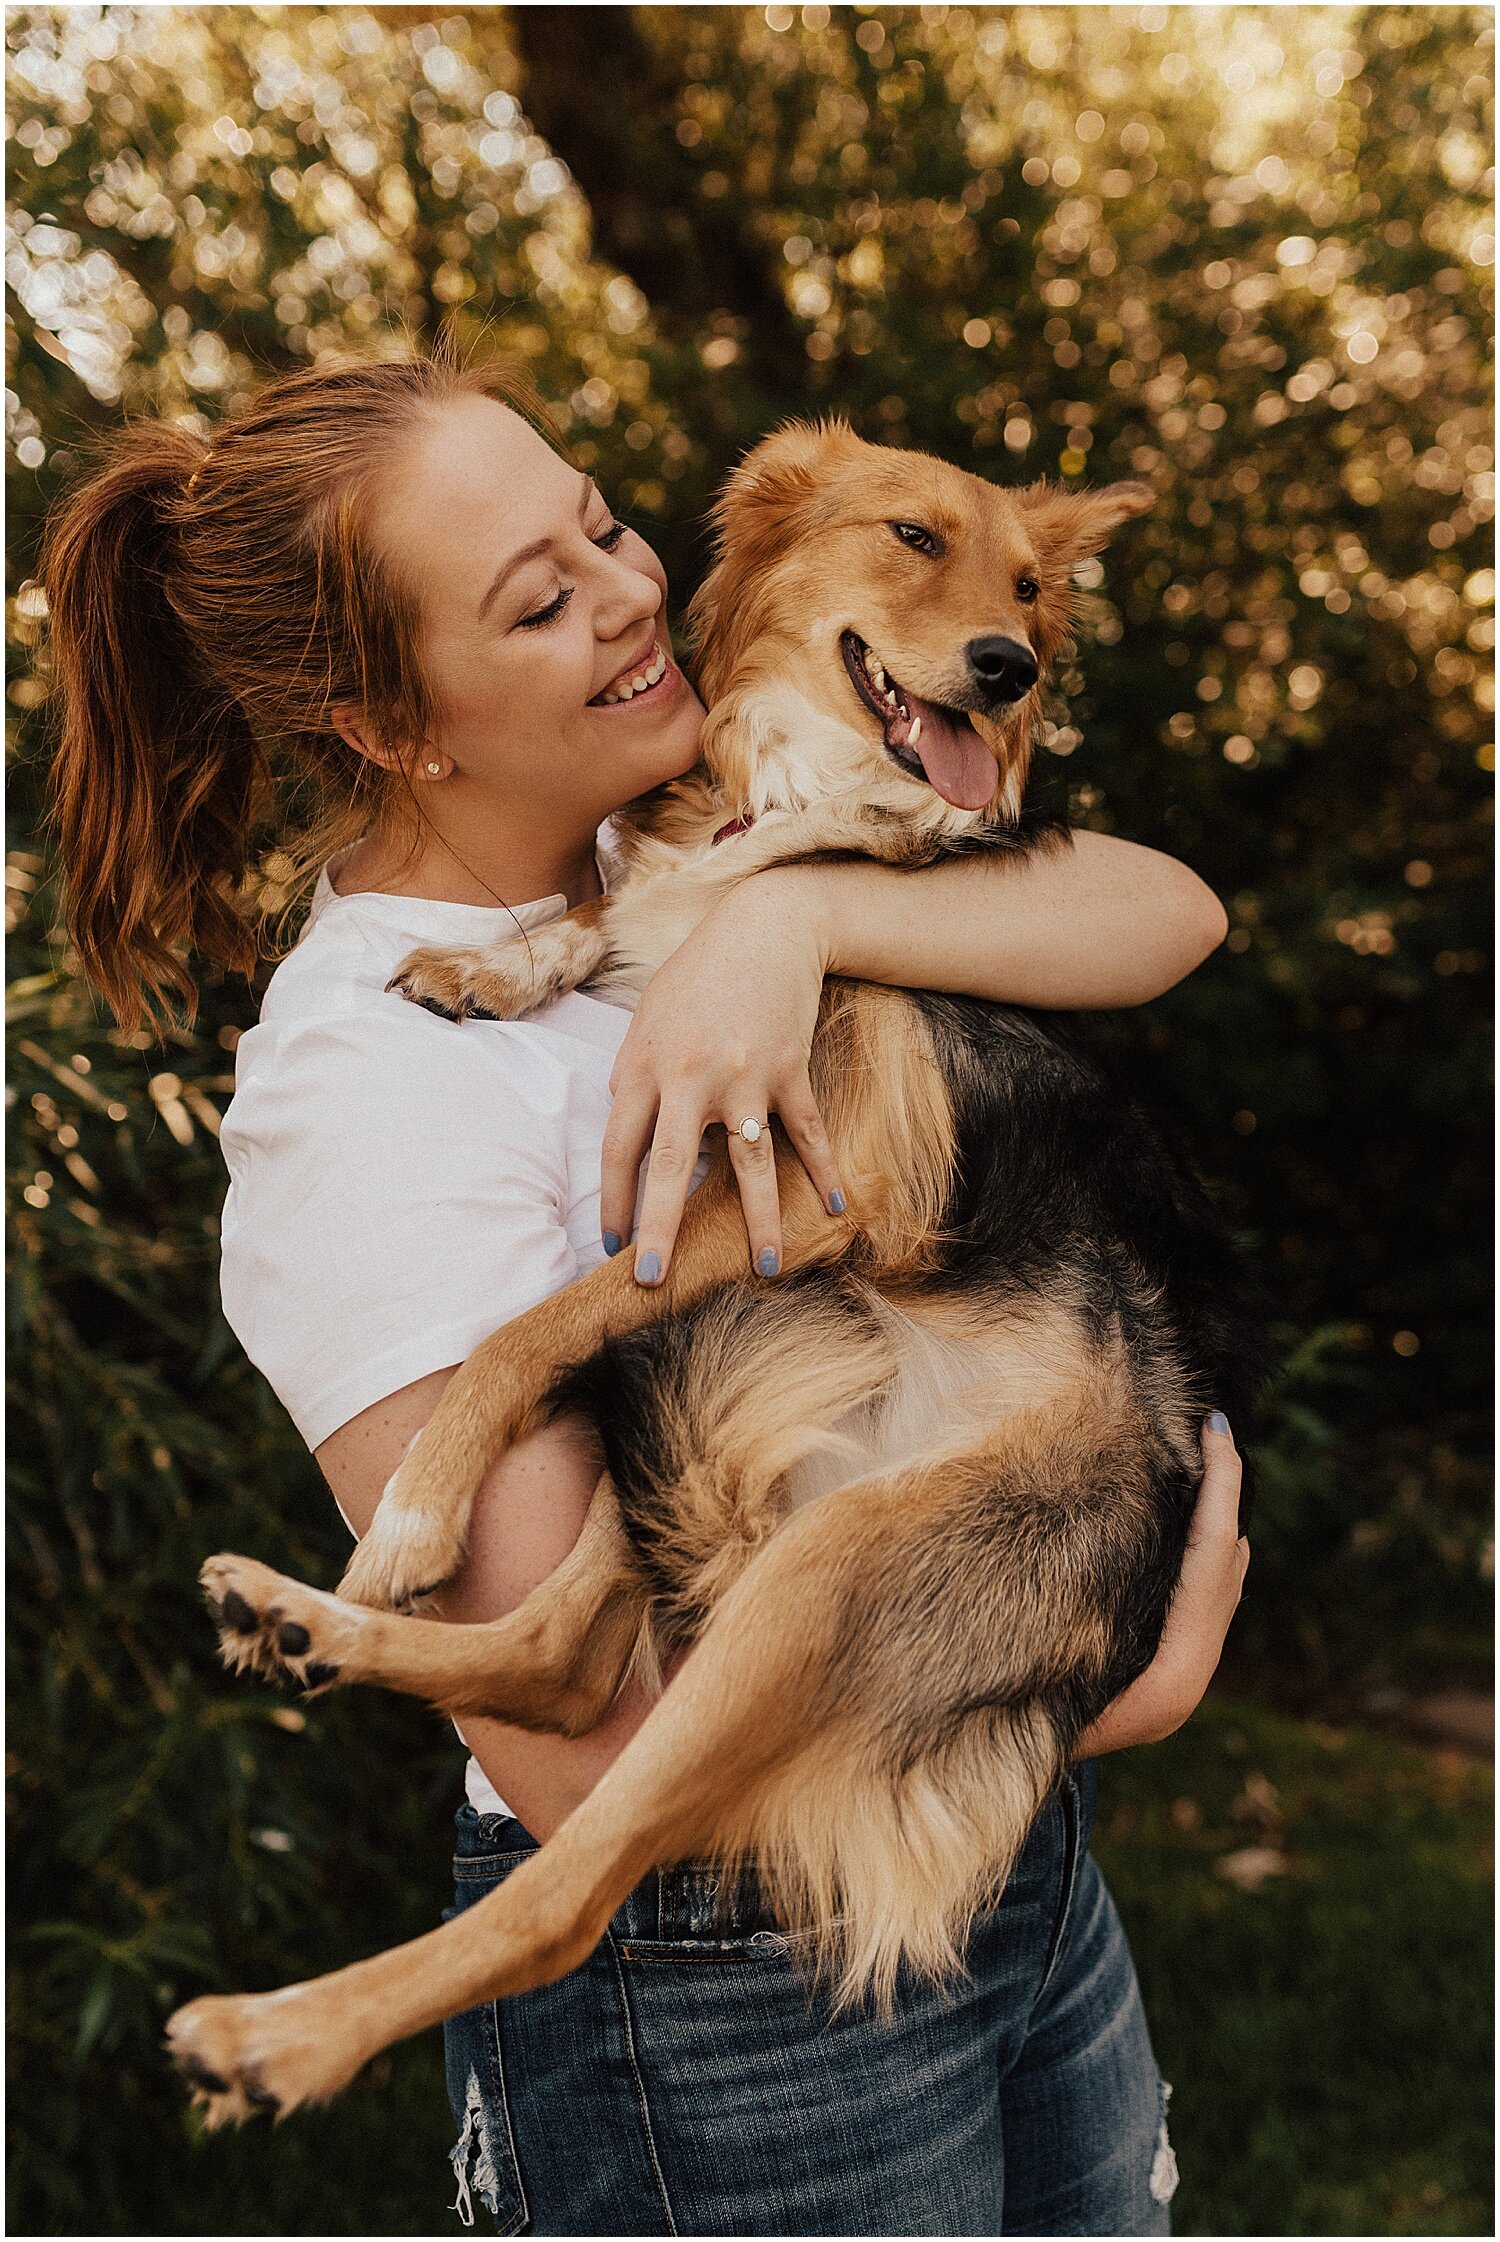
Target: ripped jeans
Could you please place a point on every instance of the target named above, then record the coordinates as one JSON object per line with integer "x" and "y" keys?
{"x": 685, "y": 2081}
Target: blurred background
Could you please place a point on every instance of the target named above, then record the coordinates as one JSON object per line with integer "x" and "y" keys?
{"x": 1244, "y": 253}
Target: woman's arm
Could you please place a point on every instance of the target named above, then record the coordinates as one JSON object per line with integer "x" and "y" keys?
{"x": 528, "y": 1513}
{"x": 725, "y": 1027}
{"x": 1080, "y": 929}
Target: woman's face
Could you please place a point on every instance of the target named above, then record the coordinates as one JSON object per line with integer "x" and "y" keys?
{"x": 544, "y": 633}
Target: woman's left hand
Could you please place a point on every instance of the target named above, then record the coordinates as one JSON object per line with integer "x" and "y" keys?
{"x": 1208, "y": 1593}
{"x": 721, "y": 1034}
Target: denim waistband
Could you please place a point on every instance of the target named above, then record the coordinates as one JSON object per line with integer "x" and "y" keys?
{"x": 694, "y": 1900}
{"x": 700, "y": 1900}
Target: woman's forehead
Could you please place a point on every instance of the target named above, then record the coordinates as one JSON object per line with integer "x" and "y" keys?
{"x": 475, "y": 470}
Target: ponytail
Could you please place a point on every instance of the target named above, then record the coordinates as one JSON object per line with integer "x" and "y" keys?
{"x": 212, "y": 605}
{"x": 157, "y": 774}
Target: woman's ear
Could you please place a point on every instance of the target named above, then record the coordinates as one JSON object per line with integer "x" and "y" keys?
{"x": 356, "y": 731}
{"x": 1070, "y": 526}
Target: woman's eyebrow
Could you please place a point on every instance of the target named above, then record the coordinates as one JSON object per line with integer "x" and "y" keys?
{"x": 530, "y": 552}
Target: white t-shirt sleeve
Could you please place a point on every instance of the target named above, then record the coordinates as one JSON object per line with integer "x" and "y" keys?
{"x": 397, "y": 1192}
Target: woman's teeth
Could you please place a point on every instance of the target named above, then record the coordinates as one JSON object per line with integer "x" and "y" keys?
{"x": 651, "y": 675}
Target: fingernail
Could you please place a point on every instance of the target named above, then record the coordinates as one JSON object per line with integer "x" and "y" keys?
{"x": 768, "y": 1261}
{"x": 1218, "y": 1422}
{"x": 648, "y": 1268}
{"x": 612, "y": 1242}
{"x": 836, "y": 1202}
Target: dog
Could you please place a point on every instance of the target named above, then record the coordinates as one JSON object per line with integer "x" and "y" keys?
{"x": 906, "y": 1521}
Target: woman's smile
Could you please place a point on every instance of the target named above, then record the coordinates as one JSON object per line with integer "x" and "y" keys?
{"x": 651, "y": 676}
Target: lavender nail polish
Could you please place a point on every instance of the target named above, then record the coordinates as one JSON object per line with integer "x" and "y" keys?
{"x": 648, "y": 1269}
{"x": 1218, "y": 1422}
{"x": 612, "y": 1242}
{"x": 837, "y": 1203}
{"x": 768, "y": 1261}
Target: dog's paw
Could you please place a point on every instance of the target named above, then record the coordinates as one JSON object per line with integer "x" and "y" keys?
{"x": 406, "y": 1555}
{"x": 257, "y": 2054}
{"x": 466, "y": 984}
{"x": 278, "y": 1628}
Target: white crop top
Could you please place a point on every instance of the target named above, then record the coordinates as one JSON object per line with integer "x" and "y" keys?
{"x": 401, "y": 1185}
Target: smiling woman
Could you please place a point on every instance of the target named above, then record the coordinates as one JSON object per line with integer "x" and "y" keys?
{"x": 544, "y": 717}
{"x": 385, "y": 584}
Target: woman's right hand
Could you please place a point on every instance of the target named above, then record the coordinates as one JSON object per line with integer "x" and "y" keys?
{"x": 723, "y": 1032}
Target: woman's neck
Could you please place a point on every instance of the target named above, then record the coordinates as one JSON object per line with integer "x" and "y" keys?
{"x": 487, "y": 868}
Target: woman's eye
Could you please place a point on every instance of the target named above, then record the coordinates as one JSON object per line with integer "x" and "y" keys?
{"x": 912, "y": 533}
{"x": 547, "y": 614}
{"x": 1027, "y": 588}
{"x": 606, "y": 539}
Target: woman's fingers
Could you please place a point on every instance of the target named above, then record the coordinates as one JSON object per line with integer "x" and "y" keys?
{"x": 754, "y": 1168}
{"x": 674, "y": 1154}
{"x": 1216, "y": 1514}
{"x": 803, "y": 1124}
{"x": 632, "y": 1118}
{"x": 669, "y": 1173}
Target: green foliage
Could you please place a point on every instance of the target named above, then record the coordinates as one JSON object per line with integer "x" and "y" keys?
{"x": 1311, "y": 1913}
{"x": 1244, "y": 254}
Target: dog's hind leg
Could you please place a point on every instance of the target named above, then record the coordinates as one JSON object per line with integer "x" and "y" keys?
{"x": 750, "y": 1696}
{"x": 556, "y": 1662}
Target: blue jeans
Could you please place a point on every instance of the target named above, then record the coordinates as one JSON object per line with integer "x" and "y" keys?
{"x": 686, "y": 2081}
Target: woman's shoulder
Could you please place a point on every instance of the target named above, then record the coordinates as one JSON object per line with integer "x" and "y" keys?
{"x": 336, "y": 1059}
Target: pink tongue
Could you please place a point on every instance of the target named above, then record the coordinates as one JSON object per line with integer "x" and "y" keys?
{"x": 951, "y": 752}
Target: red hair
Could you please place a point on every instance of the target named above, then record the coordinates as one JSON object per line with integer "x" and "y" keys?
{"x": 211, "y": 605}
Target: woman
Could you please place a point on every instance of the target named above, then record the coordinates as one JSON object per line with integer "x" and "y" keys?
{"x": 385, "y": 583}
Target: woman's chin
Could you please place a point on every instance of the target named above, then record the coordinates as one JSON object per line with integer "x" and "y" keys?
{"x": 674, "y": 749}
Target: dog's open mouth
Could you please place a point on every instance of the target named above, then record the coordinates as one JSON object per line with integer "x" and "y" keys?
{"x": 927, "y": 740}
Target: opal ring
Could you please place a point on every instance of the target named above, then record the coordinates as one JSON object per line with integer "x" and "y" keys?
{"x": 751, "y": 1130}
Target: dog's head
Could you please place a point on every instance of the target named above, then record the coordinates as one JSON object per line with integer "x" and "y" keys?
{"x": 879, "y": 621}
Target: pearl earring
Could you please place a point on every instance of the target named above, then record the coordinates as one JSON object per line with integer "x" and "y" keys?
{"x": 434, "y": 770}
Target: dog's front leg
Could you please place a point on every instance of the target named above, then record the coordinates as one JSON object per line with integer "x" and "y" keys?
{"x": 418, "y": 1534}
{"x": 507, "y": 979}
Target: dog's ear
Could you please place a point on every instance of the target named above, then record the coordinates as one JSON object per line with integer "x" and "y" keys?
{"x": 784, "y": 469}
{"x": 1070, "y": 526}
{"x": 753, "y": 518}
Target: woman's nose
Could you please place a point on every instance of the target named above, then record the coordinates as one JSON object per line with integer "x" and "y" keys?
{"x": 632, "y": 598}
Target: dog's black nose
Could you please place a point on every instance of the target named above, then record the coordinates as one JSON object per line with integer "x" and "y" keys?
{"x": 1003, "y": 668}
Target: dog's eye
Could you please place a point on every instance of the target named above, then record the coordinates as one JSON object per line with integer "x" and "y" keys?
{"x": 1027, "y": 588}
{"x": 920, "y": 540}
